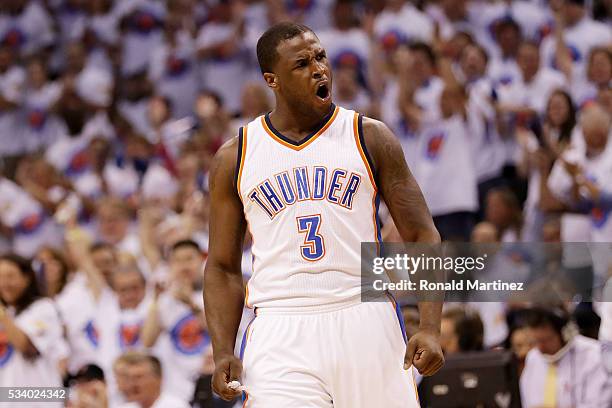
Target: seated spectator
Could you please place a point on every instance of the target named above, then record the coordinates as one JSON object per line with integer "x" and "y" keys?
{"x": 504, "y": 212}
{"x": 564, "y": 369}
{"x": 31, "y": 343}
{"x": 462, "y": 331}
{"x": 521, "y": 341}
{"x": 143, "y": 383}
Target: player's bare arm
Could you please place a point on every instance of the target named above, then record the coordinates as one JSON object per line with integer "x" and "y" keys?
{"x": 223, "y": 286}
{"x": 407, "y": 206}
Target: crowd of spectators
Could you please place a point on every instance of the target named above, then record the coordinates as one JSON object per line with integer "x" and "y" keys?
{"x": 110, "y": 114}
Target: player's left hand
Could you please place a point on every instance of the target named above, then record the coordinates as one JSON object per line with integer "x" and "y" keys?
{"x": 424, "y": 353}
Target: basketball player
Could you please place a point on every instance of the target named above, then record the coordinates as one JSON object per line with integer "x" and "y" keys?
{"x": 305, "y": 180}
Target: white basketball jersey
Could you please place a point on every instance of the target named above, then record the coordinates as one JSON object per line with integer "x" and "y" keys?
{"x": 308, "y": 205}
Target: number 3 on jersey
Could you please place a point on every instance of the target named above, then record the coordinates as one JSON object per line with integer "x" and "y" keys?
{"x": 314, "y": 245}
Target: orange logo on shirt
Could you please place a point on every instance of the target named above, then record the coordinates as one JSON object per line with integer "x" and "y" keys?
{"x": 6, "y": 349}
{"x": 129, "y": 334}
{"x": 188, "y": 337}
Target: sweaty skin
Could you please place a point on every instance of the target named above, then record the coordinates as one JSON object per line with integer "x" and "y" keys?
{"x": 300, "y": 70}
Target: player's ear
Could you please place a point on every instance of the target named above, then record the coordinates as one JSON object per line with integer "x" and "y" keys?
{"x": 271, "y": 80}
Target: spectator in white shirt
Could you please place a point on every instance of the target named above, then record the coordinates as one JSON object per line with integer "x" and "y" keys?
{"x": 503, "y": 68}
{"x": 580, "y": 34}
{"x": 445, "y": 156}
{"x": 41, "y": 127}
{"x": 12, "y": 80}
{"x": 143, "y": 388}
{"x": 175, "y": 323}
{"x": 532, "y": 90}
{"x": 173, "y": 67}
{"x": 565, "y": 369}
{"x": 31, "y": 343}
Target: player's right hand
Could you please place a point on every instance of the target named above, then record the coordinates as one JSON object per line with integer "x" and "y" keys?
{"x": 227, "y": 369}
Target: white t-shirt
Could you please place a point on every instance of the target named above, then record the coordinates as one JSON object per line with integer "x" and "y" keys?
{"x": 487, "y": 147}
{"x": 350, "y": 47}
{"x": 119, "y": 331}
{"x": 165, "y": 400}
{"x": 503, "y": 71}
{"x": 40, "y": 322}
{"x": 316, "y": 14}
{"x": 143, "y": 32}
{"x": 534, "y": 94}
{"x": 224, "y": 74}
{"x": 28, "y": 32}
{"x": 173, "y": 72}
{"x": 32, "y": 228}
{"x": 445, "y": 168}
{"x": 181, "y": 345}
{"x": 580, "y": 39}
{"x": 41, "y": 127}
{"x": 409, "y": 24}
{"x": 78, "y": 309}
{"x": 11, "y": 87}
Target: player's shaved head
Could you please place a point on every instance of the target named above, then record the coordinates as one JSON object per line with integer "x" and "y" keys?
{"x": 269, "y": 41}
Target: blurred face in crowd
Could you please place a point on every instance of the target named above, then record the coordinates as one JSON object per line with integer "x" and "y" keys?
{"x": 546, "y": 339}
{"x": 75, "y": 57}
{"x": 600, "y": 67}
{"x": 450, "y": 101}
{"x": 6, "y": 58}
{"x": 344, "y": 15}
{"x": 105, "y": 260}
{"x": 473, "y": 62}
{"x": 55, "y": 270}
{"x": 186, "y": 264}
{"x": 484, "y": 233}
{"x": 449, "y": 341}
{"x": 120, "y": 370}
{"x": 299, "y": 75}
{"x": 454, "y": 9}
{"x": 37, "y": 75}
{"x": 522, "y": 341}
{"x": 113, "y": 222}
{"x": 345, "y": 79}
{"x": 13, "y": 282}
{"x": 508, "y": 38}
{"x": 558, "y": 109}
{"x": 572, "y": 13}
{"x": 528, "y": 60}
{"x": 129, "y": 285}
{"x": 254, "y": 100}
{"x": 421, "y": 67}
{"x": 158, "y": 111}
{"x": 498, "y": 212}
{"x": 143, "y": 385}
{"x": 595, "y": 123}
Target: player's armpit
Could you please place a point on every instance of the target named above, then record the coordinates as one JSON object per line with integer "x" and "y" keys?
{"x": 223, "y": 285}
{"x": 397, "y": 185}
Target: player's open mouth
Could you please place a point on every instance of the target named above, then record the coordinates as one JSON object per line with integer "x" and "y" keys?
{"x": 323, "y": 91}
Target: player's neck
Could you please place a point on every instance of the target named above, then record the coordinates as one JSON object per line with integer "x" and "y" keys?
{"x": 295, "y": 124}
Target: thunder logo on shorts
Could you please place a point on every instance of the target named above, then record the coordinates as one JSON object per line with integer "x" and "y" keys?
{"x": 6, "y": 350}
{"x": 188, "y": 337}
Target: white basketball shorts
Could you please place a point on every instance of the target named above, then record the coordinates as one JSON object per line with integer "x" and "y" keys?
{"x": 348, "y": 357}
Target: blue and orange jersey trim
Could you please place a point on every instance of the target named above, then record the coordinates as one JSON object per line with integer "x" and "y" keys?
{"x": 297, "y": 146}
{"x": 367, "y": 161}
{"x": 242, "y": 145}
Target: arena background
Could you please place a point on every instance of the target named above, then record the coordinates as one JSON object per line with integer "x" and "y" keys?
{"x": 111, "y": 111}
